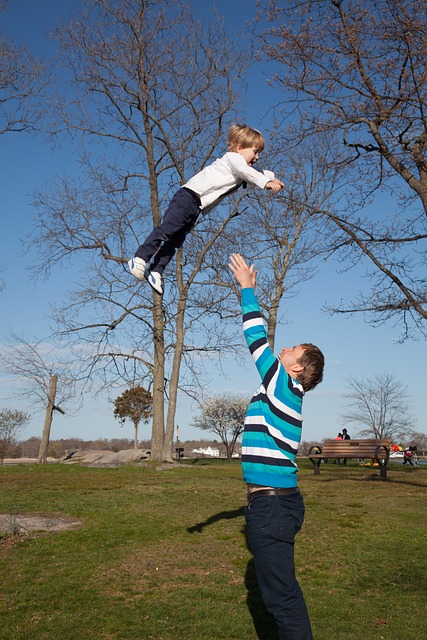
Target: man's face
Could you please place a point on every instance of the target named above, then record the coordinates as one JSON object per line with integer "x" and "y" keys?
{"x": 289, "y": 357}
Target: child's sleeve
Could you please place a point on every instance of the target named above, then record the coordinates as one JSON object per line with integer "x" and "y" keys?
{"x": 239, "y": 167}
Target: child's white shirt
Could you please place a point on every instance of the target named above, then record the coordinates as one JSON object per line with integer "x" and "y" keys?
{"x": 223, "y": 176}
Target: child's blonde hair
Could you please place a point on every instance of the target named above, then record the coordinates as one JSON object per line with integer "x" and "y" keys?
{"x": 240, "y": 135}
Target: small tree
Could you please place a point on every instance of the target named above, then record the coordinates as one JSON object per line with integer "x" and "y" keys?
{"x": 225, "y": 416}
{"x": 135, "y": 404}
{"x": 378, "y": 407}
{"x": 11, "y": 420}
{"x": 43, "y": 380}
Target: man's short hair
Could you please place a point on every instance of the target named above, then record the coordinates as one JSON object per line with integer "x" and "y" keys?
{"x": 313, "y": 362}
{"x": 241, "y": 135}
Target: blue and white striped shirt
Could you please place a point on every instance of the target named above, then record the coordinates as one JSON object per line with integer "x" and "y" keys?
{"x": 273, "y": 420}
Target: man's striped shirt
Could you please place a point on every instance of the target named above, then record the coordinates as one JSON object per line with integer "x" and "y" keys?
{"x": 273, "y": 420}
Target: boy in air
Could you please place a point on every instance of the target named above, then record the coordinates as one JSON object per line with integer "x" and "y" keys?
{"x": 202, "y": 193}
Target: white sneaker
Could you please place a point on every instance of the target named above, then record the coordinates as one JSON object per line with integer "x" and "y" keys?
{"x": 154, "y": 279}
{"x": 137, "y": 267}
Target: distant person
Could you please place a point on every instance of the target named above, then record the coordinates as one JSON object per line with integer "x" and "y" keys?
{"x": 408, "y": 456}
{"x": 339, "y": 437}
{"x": 271, "y": 437}
{"x": 201, "y": 194}
{"x": 345, "y": 436}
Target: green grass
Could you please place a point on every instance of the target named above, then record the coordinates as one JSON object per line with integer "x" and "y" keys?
{"x": 162, "y": 554}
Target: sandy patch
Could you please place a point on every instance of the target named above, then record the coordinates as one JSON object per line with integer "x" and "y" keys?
{"x": 13, "y": 524}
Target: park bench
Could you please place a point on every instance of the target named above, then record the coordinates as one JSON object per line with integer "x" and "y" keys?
{"x": 374, "y": 449}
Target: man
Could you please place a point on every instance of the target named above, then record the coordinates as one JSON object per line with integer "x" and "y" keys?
{"x": 272, "y": 433}
{"x": 345, "y": 436}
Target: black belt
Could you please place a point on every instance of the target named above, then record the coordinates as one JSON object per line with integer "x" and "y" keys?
{"x": 272, "y": 492}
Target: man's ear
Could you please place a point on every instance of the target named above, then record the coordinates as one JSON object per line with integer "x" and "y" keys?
{"x": 296, "y": 369}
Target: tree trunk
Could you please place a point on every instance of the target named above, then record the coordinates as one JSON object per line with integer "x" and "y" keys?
{"x": 227, "y": 449}
{"x": 158, "y": 431}
{"x": 176, "y": 366}
{"x": 44, "y": 443}
{"x": 135, "y": 435}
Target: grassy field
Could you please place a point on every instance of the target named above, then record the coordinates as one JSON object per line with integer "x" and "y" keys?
{"x": 161, "y": 554}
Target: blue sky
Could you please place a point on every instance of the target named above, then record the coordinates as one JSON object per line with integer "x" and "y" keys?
{"x": 351, "y": 347}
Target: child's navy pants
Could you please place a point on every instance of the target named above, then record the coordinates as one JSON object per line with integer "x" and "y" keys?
{"x": 180, "y": 217}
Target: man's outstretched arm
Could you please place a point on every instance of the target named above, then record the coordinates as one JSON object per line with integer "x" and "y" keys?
{"x": 253, "y": 324}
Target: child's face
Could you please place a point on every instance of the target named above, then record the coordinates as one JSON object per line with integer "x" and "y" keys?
{"x": 250, "y": 154}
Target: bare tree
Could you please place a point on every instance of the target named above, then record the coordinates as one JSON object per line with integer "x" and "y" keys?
{"x": 223, "y": 415}
{"x": 22, "y": 79}
{"x": 378, "y": 407}
{"x": 290, "y": 238}
{"x": 356, "y": 71}
{"x": 30, "y": 447}
{"x": 11, "y": 421}
{"x": 150, "y": 89}
{"x": 135, "y": 404}
{"x": 283, "y": 235}
{"x": 38, "y": 369}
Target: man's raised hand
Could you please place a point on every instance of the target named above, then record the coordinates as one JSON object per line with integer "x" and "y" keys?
{"x": 245, "y": 276}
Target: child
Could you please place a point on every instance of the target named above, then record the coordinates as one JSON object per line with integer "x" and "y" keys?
{"x": 202, "y": 193}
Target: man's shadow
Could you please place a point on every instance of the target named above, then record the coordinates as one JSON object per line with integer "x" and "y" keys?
{"x": 263, "y": 622}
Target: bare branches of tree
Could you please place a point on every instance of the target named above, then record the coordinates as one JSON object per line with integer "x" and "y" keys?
{"x": 37, "y": 369}
{"x": 22, "y": 79}
{"x": 356, "y": 72}
{"x": 33, "y": 364}
{"x": 150, "y": 90}
{"x": 359, "y": 68}
{"x": 11, "y": 421}
{"x": 283, "y": 235}
{"x": 378, "y": 407}
{"x": 398, "y": 288}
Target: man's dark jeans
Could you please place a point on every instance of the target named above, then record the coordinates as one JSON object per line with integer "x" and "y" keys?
{"x": 272, "y": 523}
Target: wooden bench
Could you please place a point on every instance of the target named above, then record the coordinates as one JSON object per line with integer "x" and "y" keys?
{"x": 373, "y": 449}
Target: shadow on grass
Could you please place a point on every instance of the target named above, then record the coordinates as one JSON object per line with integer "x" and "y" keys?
{"x": 223, "y": 515}
{"x": 263, "y": 622}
